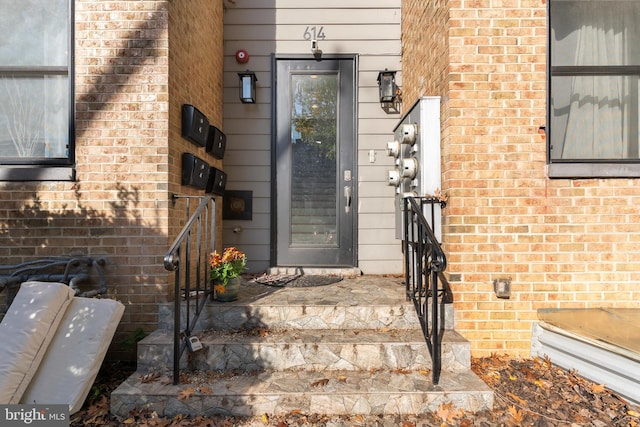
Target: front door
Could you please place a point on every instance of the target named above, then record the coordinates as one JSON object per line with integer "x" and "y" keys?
{"x": 315, "y": 182}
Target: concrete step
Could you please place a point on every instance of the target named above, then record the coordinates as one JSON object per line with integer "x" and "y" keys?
{"x": 280, "y": 392}
{"x": 312, "y": 350}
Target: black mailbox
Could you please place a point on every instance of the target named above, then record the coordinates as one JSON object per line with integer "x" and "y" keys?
{"x": 195, "y": 171}
{"x": 195, "y": 126}
{"x": 216, "y": 142}
{"x": 217, "y": 182}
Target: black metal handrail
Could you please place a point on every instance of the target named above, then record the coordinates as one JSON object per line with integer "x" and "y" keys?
{"x": 188, "y": 259}
{"x": 426, "y": 284}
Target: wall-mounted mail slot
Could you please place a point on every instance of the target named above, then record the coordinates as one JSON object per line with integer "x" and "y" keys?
{"x": 195, "y": 171}
{"x": 195, "y": 126}
{"x": 216, "y": 142}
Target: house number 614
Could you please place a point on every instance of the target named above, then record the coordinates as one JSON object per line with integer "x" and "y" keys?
{"x": 313, "y": 33}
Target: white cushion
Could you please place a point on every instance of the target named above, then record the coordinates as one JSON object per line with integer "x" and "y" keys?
{"x": 76, "y": 353}
{"x": 26, "y": 332}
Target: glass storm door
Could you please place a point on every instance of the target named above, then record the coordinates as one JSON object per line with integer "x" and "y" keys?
{"x": 314, "y": 162}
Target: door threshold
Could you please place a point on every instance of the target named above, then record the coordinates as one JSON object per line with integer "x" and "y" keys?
{"x": 317, "y": 271}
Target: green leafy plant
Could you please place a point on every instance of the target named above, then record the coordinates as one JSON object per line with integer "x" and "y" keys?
{"x": 227, "y": 266}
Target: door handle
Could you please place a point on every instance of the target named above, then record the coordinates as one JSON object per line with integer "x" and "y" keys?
{"x": 347, "y": 197}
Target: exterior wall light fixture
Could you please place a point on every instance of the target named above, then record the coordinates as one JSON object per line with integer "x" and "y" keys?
{"x": 389, "y": 91}
{"x": 248, "y": 81}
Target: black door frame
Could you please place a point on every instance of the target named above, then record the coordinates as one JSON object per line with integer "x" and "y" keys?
{"x": 354, "y": 171}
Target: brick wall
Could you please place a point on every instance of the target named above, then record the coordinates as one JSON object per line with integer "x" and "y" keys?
{"x": 425, "y": 48}
{"x": 195, "y": 77}
{"x": 564, "y": 243}
{"x": 129, "y": 91}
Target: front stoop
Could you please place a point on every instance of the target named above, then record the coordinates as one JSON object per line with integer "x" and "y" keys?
{"x": 354, "y": 347}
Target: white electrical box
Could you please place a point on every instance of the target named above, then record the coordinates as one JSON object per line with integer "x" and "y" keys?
{"x": 416, "y": 147}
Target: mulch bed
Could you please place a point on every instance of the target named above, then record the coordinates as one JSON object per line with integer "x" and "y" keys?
{"x": 528, "y": 392}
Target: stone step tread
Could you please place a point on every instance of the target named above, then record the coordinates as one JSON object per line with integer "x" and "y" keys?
{"x": 356, "y": 303}
{"x": 330, "y": 392}
{"x": 316, "y": 317}
{"x": 304, "y": 336}
{"x": 308, "y": 350}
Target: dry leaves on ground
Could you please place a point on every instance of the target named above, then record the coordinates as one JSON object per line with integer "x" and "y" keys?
{"x": 528, "y": 392}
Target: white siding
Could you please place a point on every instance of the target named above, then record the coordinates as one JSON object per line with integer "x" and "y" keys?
{"x": 370, "y": 29}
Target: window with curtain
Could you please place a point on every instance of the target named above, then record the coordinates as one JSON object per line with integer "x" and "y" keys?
{"x": 594, "y": 71}
{"x": 36, "y": 97}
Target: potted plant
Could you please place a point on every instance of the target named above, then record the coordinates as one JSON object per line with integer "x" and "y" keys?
{"x": 225, "y": 273}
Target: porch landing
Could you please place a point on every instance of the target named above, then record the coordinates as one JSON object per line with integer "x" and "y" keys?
{"x": 601, "y": 344}
{"x": 352, "y": 347}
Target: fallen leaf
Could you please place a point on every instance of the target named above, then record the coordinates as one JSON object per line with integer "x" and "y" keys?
{"x": 265, "y": 419}
{"x": 408, "y": 424}
{"x": 147, "y": 378}
{"x": 186, "y": 393}
{"x": 597, "y": 388}
{"x": 205, "y": 390}
{"x": 282, "y": 424}
{"x": 517, "y": 399}
{"x": 129, "y": 421}
{"x": 633, "y": 413}
{"x": 342, "y": 378}
{"x": 541, "y": 383}
{"x": 516, "y": 415}
{"x": 447, "y": 412}
{"x": 528, "y": 373}
{"x": 295, "y": 412}
{"x": 320, "y": 383}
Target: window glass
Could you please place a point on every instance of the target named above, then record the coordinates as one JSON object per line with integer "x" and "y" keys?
{"x": 595, "y": 32}
{"x": 595, "y": 59}
{"x": 35, "y": 91}
{"x": 34, "y": 32}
